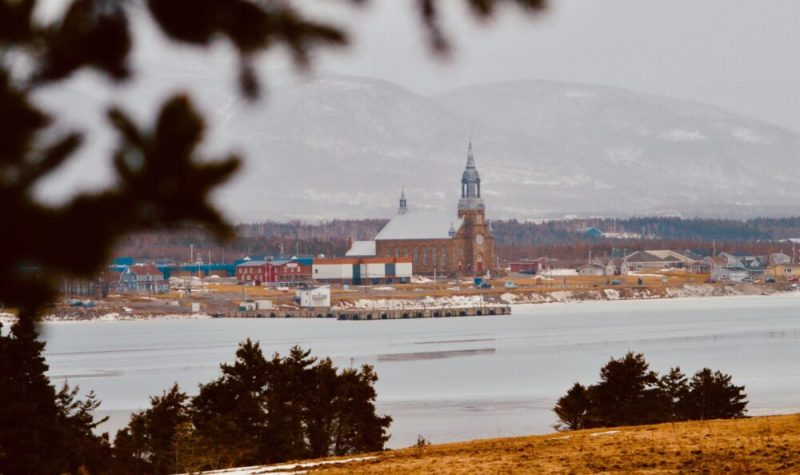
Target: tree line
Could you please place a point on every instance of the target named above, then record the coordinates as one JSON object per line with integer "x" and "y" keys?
{"x": 629, "y": 393}
{"x": 562, "y": 239}
{"x": 259, "y": 410}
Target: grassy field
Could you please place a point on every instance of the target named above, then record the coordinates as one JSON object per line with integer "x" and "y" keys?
{"x": 757, "y": 445}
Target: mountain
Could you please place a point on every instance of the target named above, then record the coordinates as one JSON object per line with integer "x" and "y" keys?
{"x": 338, "y": 146}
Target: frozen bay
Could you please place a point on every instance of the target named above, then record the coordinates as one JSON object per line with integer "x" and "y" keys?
{"x": 454, "y": 378}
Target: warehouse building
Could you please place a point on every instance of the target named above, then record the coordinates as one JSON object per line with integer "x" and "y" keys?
{"x": 362, "y": 270}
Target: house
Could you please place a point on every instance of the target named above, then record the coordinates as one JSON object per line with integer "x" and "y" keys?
{"x": 779, "y": 258}
{"x": 317, "y": 297}
{"x": 676, "y": 259}
{"x": 142, "y": 278}
{"x": 785, "y": 271}
{"x": 730, "y": 274}
{"x": 592, "y": 232}
{"x": 612, "y": 266}
{"x": 532, "y": 265}
{"x": 296, "y": 269}
{"x": 257, "y": 272}
{"x": 644, "y": 260}
{"x": 592, "y": 269}
{"x": 252, "y": 272}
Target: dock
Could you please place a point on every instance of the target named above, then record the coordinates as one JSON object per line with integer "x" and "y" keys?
{"x": 374, "y": 314}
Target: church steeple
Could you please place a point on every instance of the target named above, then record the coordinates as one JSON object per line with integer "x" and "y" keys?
{"x": 470, "y": 184}
{"x": 403, "y": 208}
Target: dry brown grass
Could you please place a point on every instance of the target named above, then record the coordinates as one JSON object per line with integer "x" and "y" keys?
{"x": 758, "y": 445}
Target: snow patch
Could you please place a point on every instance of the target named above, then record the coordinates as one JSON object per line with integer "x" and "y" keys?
{"x": 577, "y": 94}
{"x": 611, "y": 294}
{"x": 748, "y": 135}
{"x": 679, "y": 135}
{"x": 287, "y": 468}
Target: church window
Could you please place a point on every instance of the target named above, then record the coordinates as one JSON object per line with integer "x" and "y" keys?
{"x": 425, "y": 256}
{"x": 396, "y": 252}
{"x": 433, "y": 257}
{"x": 416, "y": 256}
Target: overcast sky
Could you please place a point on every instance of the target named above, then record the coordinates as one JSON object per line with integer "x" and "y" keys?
{"x": 742, "y": 55}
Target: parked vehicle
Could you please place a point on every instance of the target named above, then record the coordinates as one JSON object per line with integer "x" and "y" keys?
{"x": 616, "y": 282}
{"x": 510, "y": 285}
{"x": 710, "y": 281}
{"x": 770, "y": 280}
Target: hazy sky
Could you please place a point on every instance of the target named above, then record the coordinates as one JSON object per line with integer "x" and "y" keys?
{"x": 742, "y": 55}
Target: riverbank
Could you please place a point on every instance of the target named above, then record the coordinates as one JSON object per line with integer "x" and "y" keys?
{"x": 740, "y": 446}
{"x": 220, "y": 301}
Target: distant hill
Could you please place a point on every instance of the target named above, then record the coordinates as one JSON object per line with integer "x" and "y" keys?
{"x": 341, "y": 147}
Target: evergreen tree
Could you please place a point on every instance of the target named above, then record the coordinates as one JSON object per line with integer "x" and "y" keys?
{"x": 712, "y": 395}
{"x": 630, "y": 394}
{"x": 42, "y": 431}
{"x": 291, "y": 379}
{"x": 149, "y": 444}
{"x": 229, "y": 412}
{"x": 674, "y": 387}
{"x": 627, "y": 393}
{"x": 573, "y": 409}
{"x": 359, "y": 429}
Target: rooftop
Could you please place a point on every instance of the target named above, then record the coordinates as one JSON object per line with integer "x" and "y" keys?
{"x": 420, "y": 225}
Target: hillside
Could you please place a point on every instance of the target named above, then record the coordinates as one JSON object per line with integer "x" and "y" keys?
{"x": 342, "y": 147}
{"x": 757, "y": 445}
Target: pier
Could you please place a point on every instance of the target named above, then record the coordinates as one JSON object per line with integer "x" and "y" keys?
{"x": 374, "y": 314}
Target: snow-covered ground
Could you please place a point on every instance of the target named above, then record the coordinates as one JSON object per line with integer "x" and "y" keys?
{"x": 287, "y": 468}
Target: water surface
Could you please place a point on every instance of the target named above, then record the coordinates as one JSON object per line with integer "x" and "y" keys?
{"x": 455, "y": 378}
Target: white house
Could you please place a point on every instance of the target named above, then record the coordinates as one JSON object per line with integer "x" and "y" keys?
{"x": 316, "y": 297}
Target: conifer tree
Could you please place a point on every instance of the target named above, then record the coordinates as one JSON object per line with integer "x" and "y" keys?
{"x": 712, "y": 395}
{"x": 149, "y": 445}
{"x": 573, "y": 409}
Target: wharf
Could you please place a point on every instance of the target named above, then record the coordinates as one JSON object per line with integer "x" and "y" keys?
{"x": 374, "y": 314}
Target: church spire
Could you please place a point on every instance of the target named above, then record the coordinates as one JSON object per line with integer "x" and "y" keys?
{"x": 470, "y": 157}
{"x": 403, "y": 208}
{"x": 470, "y": 179}
{"x": 470, "y": 185}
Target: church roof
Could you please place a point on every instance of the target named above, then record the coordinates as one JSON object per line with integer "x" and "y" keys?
{"x": 361, "y": 249}
{"x": 420, "y": 225}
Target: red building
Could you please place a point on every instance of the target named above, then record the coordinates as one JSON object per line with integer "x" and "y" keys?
{"x": 284, "y": 270}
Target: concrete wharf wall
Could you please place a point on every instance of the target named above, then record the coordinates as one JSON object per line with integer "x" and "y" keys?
{"x": 374, "y": 314}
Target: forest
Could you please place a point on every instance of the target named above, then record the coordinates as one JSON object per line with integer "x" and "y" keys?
{"x": 563, "y": 239}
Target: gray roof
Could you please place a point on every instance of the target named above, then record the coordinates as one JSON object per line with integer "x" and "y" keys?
{"x": 252, "y": 263}
{"x": 361, "y": 249}
{"x": 420, "y": 225}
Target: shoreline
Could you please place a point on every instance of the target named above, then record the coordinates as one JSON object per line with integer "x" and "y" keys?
{"x": 110, "y": 312}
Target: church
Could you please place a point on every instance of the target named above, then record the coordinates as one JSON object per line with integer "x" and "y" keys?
{"x": 437, "y": 242}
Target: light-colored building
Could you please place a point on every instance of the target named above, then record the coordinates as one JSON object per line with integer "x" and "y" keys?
{"x": 362, "y": 270}
{"x": 592, "y": 269}
{"x": 784, "y": 271}
{"x": 730, "y": 274}
{"x": 317, "y": 297}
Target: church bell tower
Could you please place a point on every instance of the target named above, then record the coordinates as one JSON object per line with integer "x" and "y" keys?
{"x": 471, "y": 206}
{"x": 476, "y": 237}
